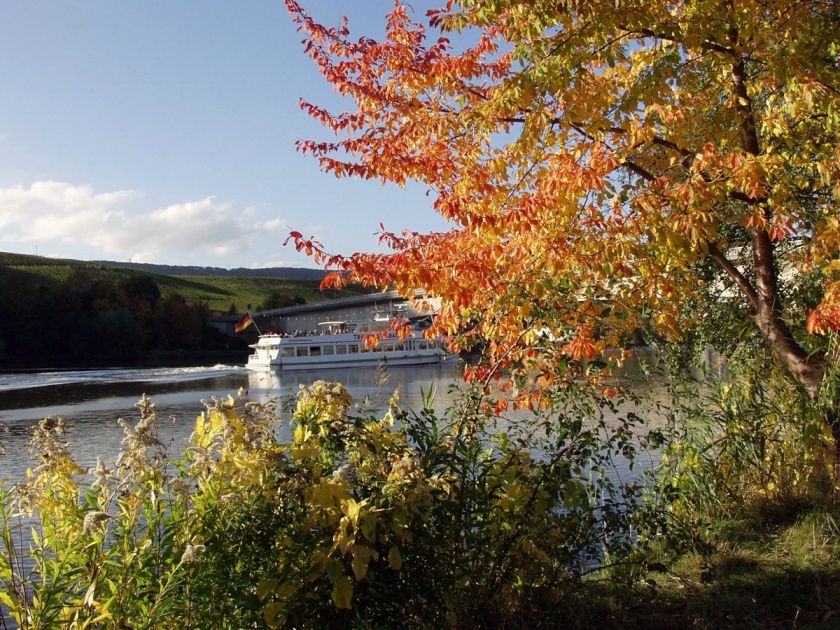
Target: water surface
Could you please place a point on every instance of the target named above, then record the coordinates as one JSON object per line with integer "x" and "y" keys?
{"x": 91, "y": 401}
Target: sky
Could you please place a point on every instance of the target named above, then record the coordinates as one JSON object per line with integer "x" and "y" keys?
{"x": 163, "y": 131}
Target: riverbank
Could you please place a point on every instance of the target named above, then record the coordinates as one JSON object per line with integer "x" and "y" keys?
{"x": 776, "y": 568}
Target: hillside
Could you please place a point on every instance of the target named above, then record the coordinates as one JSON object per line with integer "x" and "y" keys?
{"x": 216, "y": 287}
{"x": 62, "y": 312}
{"x": 289, "y": 273}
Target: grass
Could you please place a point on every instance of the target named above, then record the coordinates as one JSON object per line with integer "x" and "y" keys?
{"x": 219, "y": 291}
{"x": 762, "y": 573}
{"x": 777, "y": 568}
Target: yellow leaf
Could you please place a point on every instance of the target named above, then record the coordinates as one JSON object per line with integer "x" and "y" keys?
{"x": 342, "y": 593}
{"x": 352, "y": 510}
{"x": 266, "y": 587}
{"x": 270, "y": 613}
{"x": 360, "y": 565}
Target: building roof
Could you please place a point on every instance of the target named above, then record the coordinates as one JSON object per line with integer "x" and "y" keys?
{"x": 329, "y": 305}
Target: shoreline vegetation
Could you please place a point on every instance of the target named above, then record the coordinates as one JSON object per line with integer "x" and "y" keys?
{"x": 76, "y": 314}
{"x": 377, "y": 518}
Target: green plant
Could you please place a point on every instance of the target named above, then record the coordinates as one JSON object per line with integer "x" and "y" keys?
{"x": 409, "y": 518}
{"x": 752, "y": 445}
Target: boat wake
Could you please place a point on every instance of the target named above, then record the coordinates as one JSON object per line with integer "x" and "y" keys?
{"x": 12, "y": 381}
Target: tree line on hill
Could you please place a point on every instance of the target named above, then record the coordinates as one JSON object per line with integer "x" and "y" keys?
{"x": 89, "y": 318}
{"x": 291, "y": 273}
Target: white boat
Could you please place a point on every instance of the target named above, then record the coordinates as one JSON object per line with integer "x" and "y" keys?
{"x": 342, "y": 344}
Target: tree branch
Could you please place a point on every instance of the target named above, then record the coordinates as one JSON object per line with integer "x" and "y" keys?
{"x": 706, "y": 44}
{"x": 733, "y": 272}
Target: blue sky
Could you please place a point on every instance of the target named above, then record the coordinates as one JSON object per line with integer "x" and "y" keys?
{"x": 163, "y": 131}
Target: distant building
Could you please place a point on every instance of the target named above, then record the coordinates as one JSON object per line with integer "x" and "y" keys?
{"x": 362, "y": 307}
{"x": 224, "y": 323}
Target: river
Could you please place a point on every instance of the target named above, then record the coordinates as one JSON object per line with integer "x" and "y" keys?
{"x": 92, "y": 400}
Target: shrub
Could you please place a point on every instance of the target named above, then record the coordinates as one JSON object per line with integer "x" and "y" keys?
{"x": 752, "y": 445}
{"x": 407, "y": 519}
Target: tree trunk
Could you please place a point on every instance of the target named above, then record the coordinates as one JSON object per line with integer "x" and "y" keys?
{"x": 808, "y": 370}
{"x": 763, "y": 294}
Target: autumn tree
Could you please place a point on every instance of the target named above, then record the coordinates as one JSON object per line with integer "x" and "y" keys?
{"x": 591, "y": 156}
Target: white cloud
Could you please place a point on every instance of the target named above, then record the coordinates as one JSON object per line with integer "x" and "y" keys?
{"x": 275, "y": 225}
{"x": 275, "y": 261}
{"x": 62, "y": 213}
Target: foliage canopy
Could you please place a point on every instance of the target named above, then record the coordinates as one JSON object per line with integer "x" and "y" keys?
{"x": 594, "y": 158}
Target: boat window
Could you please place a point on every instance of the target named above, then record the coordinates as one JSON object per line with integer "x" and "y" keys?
{"x": 400, "y": 346}
{"x": 353, "y": 348}
{"x": 363, "y": 328}
{"x": 340, "y": 349}
{"x": 302, "y": 352}
{"x": 327, "y": 350}
{"x": 288, "y": 352}
{"x": 314, "y": 351}
{"x": 386, "y": 347}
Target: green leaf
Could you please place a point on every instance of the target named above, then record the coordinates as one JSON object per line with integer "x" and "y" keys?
{"x": 394, "y": 558}
{"x": 368, "y": 526}
{"x": 6, "y": 600}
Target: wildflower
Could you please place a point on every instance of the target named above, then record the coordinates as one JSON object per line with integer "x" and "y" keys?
{"x": 101, "y": 474}
{"x": 45, "y": 439}
{"x": 180, "y": 488}
{"x": 326, "y": 401}
{"x": 192, "y": 553}
{"x": 92, "y": 522}
{"x": 138, "y": 439}
{"x": 228, "y": 499}
{"x": 25, "y": 498}
{"x": 346, "y": 473}
{"x": 404, "y": 467}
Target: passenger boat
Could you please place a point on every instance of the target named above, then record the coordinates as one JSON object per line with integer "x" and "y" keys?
{"x": 342, "y": 344}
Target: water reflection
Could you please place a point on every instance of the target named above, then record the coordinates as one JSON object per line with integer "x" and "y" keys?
{"x": 376, "y": 385}
{"x": 93, "y": 400}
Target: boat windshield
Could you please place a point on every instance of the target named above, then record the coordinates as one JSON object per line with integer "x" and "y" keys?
{"x": 333, "y": 328}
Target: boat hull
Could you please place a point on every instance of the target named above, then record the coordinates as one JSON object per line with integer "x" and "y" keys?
{"x": 322, "y": 363}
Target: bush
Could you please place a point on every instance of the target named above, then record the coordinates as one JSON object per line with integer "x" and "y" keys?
{"x": 753, "y": 445}
{"x": 409, "y": 519}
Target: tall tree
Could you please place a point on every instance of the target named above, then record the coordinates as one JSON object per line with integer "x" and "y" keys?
{"x": 591, "y": 154}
